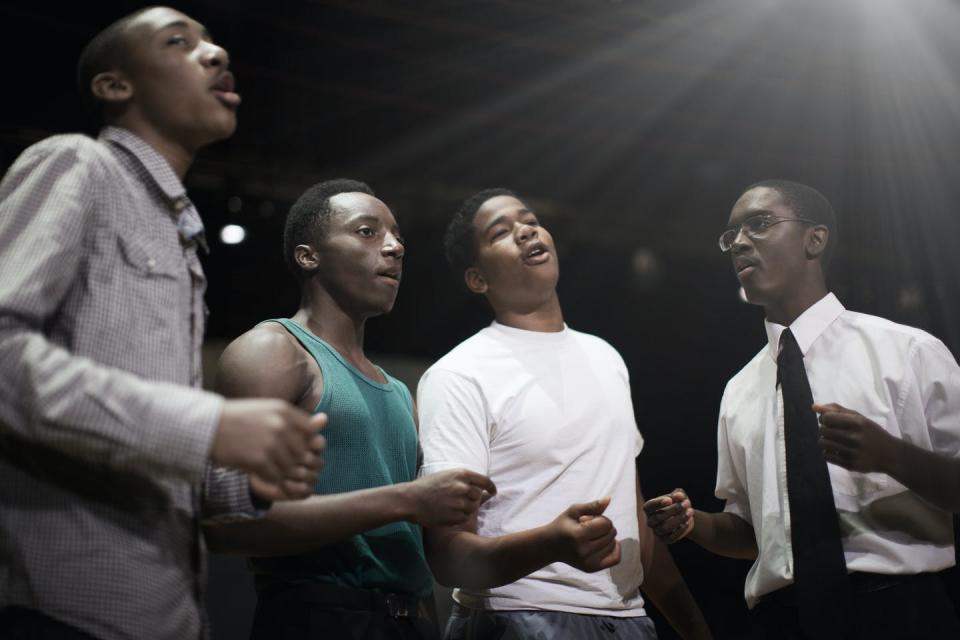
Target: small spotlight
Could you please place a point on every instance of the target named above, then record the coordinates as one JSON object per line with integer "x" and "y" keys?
{"x": 234, "y": 204}
{"x": 232, "y": 234}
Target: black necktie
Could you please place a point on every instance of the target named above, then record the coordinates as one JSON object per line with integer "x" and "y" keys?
{"x": 819, "y": 568}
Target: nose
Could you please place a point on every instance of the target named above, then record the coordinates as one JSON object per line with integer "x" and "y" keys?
{"x": 740, "y": 241}
{"x": 392, "y": 246}
{"x": 525, "y": 232}
{"x": 213, "y": 55}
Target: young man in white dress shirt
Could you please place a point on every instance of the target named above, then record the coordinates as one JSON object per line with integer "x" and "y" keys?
{"x": 888, "y": 400}
{"x": 545, "y": 411}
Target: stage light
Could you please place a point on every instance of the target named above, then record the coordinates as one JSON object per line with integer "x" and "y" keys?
{"x": 232, "y": 234}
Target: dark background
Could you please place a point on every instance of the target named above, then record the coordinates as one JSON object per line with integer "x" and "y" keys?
{"x": 631, "y": 127}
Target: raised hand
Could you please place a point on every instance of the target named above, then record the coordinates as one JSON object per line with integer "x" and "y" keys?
{"x": 855, "y": 442}
{"x": 449, "y": 497}
{"x": 585, "y": 538}
{"x": 276, "y": 442}
{"x": 670, "y": 516}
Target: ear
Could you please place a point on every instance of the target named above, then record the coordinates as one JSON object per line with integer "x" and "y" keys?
{"x": 474, "y": 280}
{"x": 111, "y": 87}
{"x": 817, "y": 238}
{"x": 306, "y": 258}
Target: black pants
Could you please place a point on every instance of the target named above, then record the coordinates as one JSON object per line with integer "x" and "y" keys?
{"x": 905, "y": 608}
{"x": 311, "y": 611}
{"x": 25, "y": 624}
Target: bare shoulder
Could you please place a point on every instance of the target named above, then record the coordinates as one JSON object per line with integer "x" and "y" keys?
{"x": 264, "y": 362}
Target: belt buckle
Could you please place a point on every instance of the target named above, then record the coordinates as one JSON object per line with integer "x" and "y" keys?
{"x": 397, "y": 606}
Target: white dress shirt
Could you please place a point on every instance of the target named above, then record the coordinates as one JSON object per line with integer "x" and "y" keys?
{"x": 903, "y": 379}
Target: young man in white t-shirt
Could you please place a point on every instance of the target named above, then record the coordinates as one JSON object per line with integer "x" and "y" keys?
{"x": 546, "y": 413}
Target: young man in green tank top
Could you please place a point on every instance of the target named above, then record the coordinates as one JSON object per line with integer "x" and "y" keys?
{"x": 349, "y": 561}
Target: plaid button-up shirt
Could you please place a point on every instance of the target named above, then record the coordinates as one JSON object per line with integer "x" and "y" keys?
{"x": 104, "y": 433}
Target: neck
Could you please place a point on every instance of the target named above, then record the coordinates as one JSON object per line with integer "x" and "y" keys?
{"x": 786, "y": 311}
{"x": 178, "y": 155}
{"x": 546, "y": 317}
{"x": 327, "y": 320}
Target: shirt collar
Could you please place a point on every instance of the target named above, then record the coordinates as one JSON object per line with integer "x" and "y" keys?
{"x": 155, "y": 165}
{"x": 807, "y": 327}
{"x": 151, "y": 165}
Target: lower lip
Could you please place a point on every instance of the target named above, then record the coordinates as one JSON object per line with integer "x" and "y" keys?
{"x": 537, "y": 259}
{"x": 743, "y": 273}
{"x": 393, "y": 282}
{"x": 230, "y": 98}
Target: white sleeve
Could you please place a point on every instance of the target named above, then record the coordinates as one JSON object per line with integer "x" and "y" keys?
{"x": 730, "y": 472}
{"x": 935, "y": 395}
{"x": 454, "y": 423}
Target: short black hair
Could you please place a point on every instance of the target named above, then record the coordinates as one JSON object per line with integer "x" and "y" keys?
{"x": 104, "y": 52}
{"x": 458, "y": 240}
{"x": 308, "y": 217}
{"x": 806, "y": 202}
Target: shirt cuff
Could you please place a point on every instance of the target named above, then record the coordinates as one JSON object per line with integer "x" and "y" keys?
{"x": 227, "y": 497}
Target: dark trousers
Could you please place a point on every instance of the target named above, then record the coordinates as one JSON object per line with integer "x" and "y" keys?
{"x": 311, "y": 611}
{"x": 17, "y": 623}
{"x": 884, "y": 608}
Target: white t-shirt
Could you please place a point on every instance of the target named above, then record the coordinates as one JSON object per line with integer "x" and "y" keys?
{"x": 903, "y": 379}
{"x": 548, "y": 417}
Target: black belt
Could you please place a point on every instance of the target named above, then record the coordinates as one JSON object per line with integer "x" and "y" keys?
{"x": 396, "y": 605}
{"x": 859, "y": 581}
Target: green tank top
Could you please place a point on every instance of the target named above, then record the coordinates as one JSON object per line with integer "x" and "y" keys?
{"x": 371, "y": 442}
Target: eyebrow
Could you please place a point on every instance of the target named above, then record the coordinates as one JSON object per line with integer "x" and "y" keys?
{"x": 753, "y": 214}
{"x": 204, "y": 32}
{"x": 501, "y": 217}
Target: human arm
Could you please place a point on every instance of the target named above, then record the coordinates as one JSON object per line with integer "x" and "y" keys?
{"x": 664, "y": 585}
{"x": 446, "y": 498}
{"x": 672, "y": 518}
{"x": 59, "y": 237}
{"x": 268, "y": 362}
{"x": 50, "y": 216}
{"x": 856, "y": 443}
{"x": 922, "y": 454}
{"x": 580, "y": 536}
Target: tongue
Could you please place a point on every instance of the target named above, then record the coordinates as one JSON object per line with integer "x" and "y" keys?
{"x": 231, "y": 98}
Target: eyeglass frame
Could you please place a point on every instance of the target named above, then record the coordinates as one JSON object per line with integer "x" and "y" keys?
{"x": 757, "y": 235}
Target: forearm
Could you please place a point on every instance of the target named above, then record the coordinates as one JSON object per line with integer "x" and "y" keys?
{"x": 934, "y": 477}
{"x": 725, "y": 534}
{"x": 464, "y": 559}
{"x": 291, "y": 528}
{"x": 664, "y": 585}
{"x": 101, "y": 414}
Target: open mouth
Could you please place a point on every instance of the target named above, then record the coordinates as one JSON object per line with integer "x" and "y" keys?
{"x": 223, "y": 88}
{"x": 536, "y": 254}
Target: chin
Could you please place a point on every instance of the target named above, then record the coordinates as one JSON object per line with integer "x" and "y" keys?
{"x": 219, "y": 129}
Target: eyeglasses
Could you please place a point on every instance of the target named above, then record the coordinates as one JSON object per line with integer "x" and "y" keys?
{"x": 755, "y": 227}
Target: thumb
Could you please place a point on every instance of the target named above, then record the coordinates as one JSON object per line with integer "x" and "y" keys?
{"x": 830, "y": 407}
{"x": 594, "y": 508}
{"x": 317, "y": 421}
